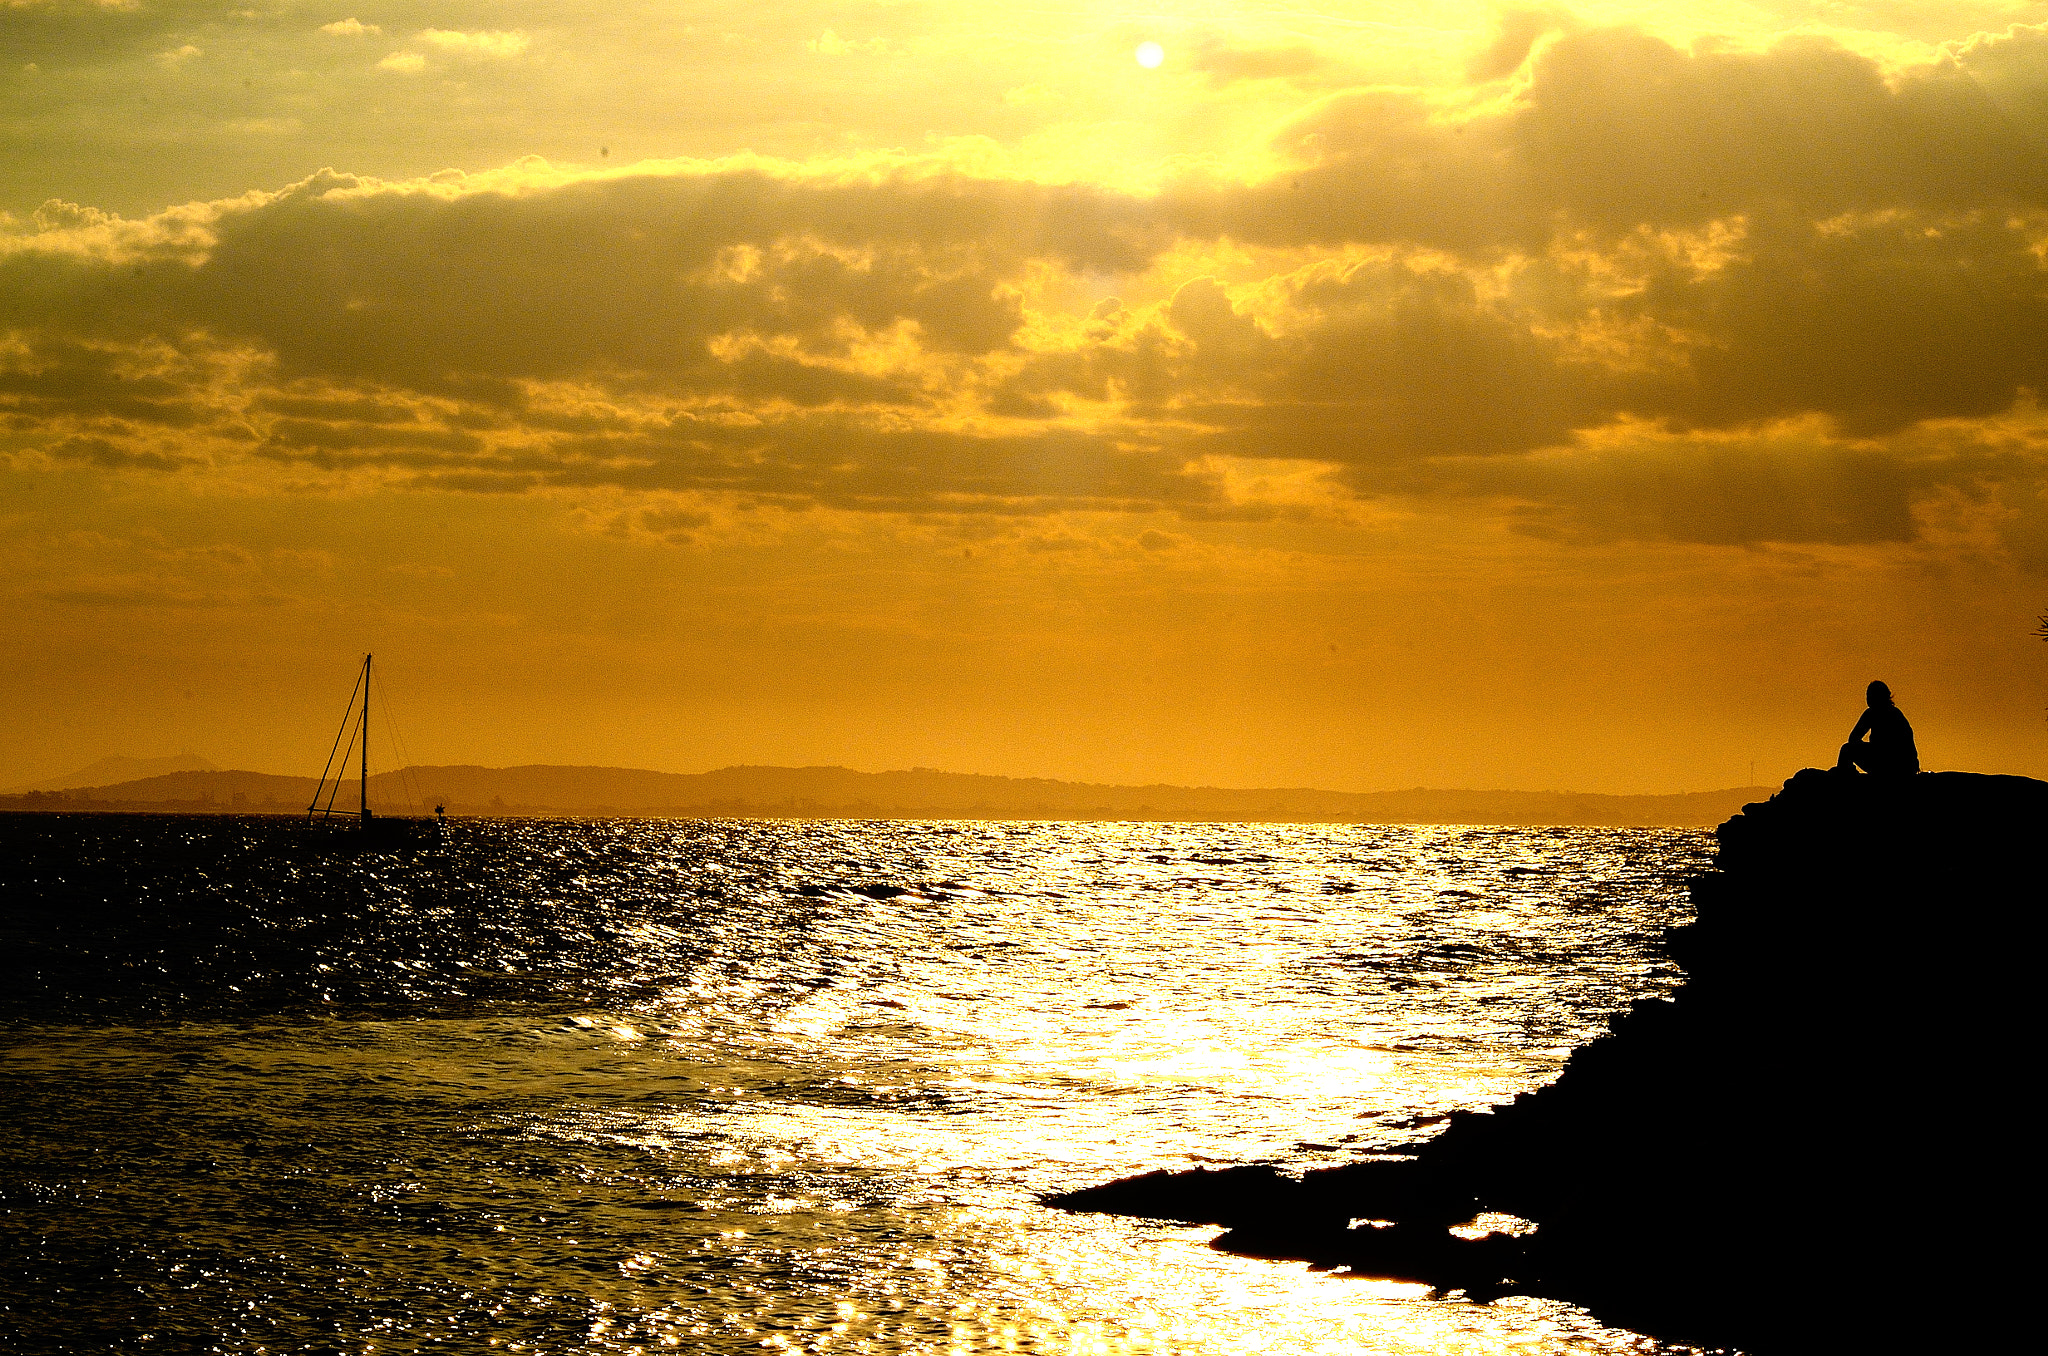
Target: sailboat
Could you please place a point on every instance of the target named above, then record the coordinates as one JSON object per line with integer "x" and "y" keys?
{"x": 368, "y": 828}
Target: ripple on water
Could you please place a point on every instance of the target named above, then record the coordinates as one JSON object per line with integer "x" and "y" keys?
{"x": 751, "y": 1086}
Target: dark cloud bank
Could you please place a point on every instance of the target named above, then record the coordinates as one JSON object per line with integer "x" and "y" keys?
{"x": 1715, "y": 296}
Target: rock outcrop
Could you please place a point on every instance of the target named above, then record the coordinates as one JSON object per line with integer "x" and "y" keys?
{"x": 1821, "y": 1144}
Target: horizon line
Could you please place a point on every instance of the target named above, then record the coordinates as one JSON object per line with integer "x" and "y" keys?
{"x": 25, "y": 786}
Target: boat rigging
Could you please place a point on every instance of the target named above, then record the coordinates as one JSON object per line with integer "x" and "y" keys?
{"x": 355, "y": 724}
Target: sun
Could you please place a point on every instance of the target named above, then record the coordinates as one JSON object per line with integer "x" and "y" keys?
{"x": 1150, "y": 54}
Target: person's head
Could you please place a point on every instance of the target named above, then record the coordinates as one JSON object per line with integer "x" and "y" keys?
{"x": 1877, "y": 694}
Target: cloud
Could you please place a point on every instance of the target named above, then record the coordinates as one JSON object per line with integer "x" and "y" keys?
{"x": 506, "y": 44}
{"x": 1226, "y": 62}
{"x": 1615, "y": 130}
{"x": 478, "y": 46}
{"x": 711, "y": 329}
{"x": 830, "y": 43}
{"x": 1789, "y": 484}
{"x": 103, "y": 453}
{"x": 58, "y": 215}
{"x": 1596, "y": 305}
{"x": 351, "y": 28}
{"x": 1515, "y": 36}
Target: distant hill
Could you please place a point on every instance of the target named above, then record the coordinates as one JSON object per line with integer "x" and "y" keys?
{"x": 842, "y": 793}
{"x": 111, "y": 771}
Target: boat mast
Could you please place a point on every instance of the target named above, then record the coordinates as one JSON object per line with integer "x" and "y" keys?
{"x": 366, "y": 741}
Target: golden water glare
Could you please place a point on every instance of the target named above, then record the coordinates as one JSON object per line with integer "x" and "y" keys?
{"x": 733, "y": 1096}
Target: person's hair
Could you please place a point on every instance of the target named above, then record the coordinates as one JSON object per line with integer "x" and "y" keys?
{"x": 1875, "y": 691}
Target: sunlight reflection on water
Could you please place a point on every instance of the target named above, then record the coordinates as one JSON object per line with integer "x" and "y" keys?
{"x": 741, "y": 1087}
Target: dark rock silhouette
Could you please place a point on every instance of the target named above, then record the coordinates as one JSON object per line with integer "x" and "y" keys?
{"x": 1820, "y": 1145}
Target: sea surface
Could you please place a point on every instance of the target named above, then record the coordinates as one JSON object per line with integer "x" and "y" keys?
{"x": 723, "y": 1087}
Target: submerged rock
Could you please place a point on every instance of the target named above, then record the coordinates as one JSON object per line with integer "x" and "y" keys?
{"x": 1819, "y": 1144}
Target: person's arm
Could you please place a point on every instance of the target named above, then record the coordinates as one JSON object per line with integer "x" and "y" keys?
{"x": 1864, "y": 725}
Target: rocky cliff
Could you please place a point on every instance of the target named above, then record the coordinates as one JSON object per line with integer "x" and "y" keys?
{"x": 1821, "y": 1144}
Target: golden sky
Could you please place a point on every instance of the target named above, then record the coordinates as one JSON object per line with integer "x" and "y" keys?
{"x": 1366, "y": 396}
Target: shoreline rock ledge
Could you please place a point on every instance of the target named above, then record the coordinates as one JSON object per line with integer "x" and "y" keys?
{"x": 1821, "y": 1143}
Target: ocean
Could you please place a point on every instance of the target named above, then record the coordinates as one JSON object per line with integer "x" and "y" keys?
{"x": 746, "y": 1086}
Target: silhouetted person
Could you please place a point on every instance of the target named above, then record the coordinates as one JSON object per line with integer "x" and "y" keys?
{"x": 1889, "y": 751}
